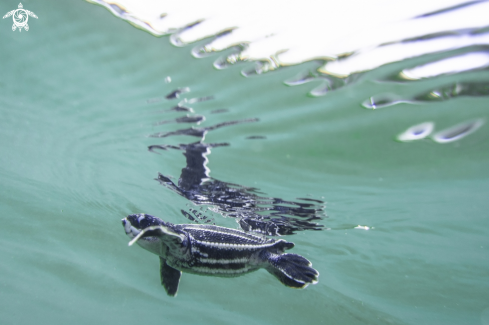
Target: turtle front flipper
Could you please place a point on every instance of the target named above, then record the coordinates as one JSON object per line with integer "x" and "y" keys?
{"x": 162, "y": 232}
{"x": 170, "y": 277}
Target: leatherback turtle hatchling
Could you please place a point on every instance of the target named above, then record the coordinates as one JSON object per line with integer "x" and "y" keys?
{"x": 216, "y": 251}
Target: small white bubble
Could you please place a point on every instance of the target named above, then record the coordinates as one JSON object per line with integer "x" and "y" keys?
{"x": 362, "y": 227}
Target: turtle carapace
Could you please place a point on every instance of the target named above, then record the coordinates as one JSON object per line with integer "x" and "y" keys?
{"x": 215, "y": 251}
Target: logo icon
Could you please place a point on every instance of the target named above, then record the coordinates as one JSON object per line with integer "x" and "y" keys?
{"x": 20, "y": 17}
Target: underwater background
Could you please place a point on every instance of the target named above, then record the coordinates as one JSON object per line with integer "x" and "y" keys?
{"x": 381, "y": 181}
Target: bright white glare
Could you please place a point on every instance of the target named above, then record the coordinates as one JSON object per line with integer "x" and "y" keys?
{"x": 455, "y": 64}
{"x": 294, "y": 32}
{"x": 362, "y": 227}
{"x": 376, "y": 57}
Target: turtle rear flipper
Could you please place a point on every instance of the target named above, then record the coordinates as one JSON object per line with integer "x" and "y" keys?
{"x": 170, "y": 277}
{"x": 280, "y": 246}
{"x": 292, "y": 270}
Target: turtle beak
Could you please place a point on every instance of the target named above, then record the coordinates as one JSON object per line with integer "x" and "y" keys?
{"x": 130, "y": 230}
{"x": 127, "y": 226}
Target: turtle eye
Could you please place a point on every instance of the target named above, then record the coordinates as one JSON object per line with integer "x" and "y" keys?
{"x": 142, "y": 221}
{"x": 141, "y": 217}
{"x": 134, "y": 220}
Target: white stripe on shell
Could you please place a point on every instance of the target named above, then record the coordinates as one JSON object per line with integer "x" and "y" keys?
{"x": 196, "y": 250}
{"x": 208, "y": 270}
{"x": 238, "y": 247}
{"x": 214, "y": 261}
{"x": 238, "y": 235}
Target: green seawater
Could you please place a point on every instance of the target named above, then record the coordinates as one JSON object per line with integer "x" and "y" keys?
{"x": 74, "y": 130}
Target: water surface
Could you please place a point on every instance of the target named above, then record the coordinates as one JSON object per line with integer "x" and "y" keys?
{"x": 82, "y": 93}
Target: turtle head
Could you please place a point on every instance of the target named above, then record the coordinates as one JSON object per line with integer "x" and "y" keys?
{"x": 135, "y": 223}
{"x": 151, "y": 233}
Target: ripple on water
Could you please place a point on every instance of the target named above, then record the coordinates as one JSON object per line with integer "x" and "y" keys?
{"x": 458, "y": 131}
{"x": 417, "y": 132}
